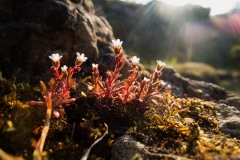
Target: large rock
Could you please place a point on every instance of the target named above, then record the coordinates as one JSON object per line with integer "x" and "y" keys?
{"x": 32, "y": 30}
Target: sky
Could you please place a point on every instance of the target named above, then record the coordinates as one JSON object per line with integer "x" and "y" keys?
{"x": 217, "y": 6}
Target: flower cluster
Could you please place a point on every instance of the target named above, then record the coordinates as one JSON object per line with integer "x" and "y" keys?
{"x": 127, "y": 90}
{"x": 130, "y": 89}
{"x": 107, "y": 88}
{"x": 61, "y": 84}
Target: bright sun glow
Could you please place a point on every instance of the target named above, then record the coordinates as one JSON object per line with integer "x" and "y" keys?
{"x": 217, "y": 7}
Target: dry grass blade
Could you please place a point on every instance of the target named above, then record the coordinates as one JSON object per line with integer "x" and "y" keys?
{"x": 5, "y": 156}
{"x": 85, "y": 156}
{"x": 39, "y": 147}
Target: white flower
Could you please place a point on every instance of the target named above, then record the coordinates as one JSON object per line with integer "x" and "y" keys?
{"x": 146, "y": 79}
{"x": 81, "y": 57}
{"x": 117, "y": 43}
{"x": 94, "y": 65}
{"x": 160, "y": 63}
{"x": 135, "y": 60}
{"x": 64, "y": 68}
{"x": 55, "y": 57}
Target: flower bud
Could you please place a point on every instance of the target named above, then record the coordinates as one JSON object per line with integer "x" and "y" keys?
{"x": 95, "y": 67}
{"x": 64, "y": 68}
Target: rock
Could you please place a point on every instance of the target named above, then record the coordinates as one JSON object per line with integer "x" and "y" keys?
{"x": 125, "y": 147}
{"x": 229, "y": 120}
{"x": 32, "y": 30}
{"x": 199, "y": 89}
{"x": 232, "y": 101}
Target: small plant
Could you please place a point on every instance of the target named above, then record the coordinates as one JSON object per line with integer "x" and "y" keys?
{"x": 180, "y": 126}
{"x": 130, "y": 89}
{"x": 61, "y": 84}
{"x": 57, "y": 95}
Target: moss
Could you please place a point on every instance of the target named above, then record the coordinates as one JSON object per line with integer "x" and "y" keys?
{"x": 185, "y": 127}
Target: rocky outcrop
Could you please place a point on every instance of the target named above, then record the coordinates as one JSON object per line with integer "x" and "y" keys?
{"x": 32, "y": 30}
{"x": 208, "y": 91}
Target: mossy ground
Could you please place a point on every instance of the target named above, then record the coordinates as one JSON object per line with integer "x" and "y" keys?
{"x": 185, "y": 127}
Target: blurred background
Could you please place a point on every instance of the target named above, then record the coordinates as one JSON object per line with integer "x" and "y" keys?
{"x": 199, "y": 39}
